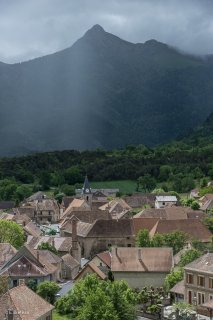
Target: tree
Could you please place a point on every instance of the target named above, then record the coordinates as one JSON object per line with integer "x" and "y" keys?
{"x": 146, "y": 183}
{"x": 189, "y": 256}
{"x": 47, "y": 246}
{"x": 158, "y": 240}
{"x": 176, "y": 240}
{"x": 22, "y": 192}
{"x": 92, "y": 298}
{"x": 44, "y": 180}
{"x": 143, "y": 238}
{"x": 12, "y": 233}
{"x": 48, "y": 290}
{"x": 73, "y": 175}
{"x": 173, "y": 277}
{"x": 195, "y": 205}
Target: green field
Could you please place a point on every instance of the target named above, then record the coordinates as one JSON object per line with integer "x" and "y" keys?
{"x": 57, "y": 316}
{"x": 125, "y": 186}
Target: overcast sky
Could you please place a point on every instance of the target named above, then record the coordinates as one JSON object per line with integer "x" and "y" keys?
{"x": 32, "y": 28}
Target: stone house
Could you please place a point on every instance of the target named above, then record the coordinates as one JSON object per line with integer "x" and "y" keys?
{"x": 70, "y": 267}
{"x": 103, "y": 261}
{"x": 141, "y": 267}
{"x": 27, "y": 264}
{"x": 21, "y": 303}
{"x": 90, "y": 268}
{"x": 165, "y": 201}
{"x": 198, "y": 280}
{"x": 101, "y": 235}
{"x": 47, "y": 211}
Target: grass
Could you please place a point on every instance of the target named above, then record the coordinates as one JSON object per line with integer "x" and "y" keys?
{"x": 125, "y": 186}
{"x": 57, "y": 316}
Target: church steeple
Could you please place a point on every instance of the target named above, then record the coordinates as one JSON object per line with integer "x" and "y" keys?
{"x": 87, "y": 192}
{"x": 86, "y": 187}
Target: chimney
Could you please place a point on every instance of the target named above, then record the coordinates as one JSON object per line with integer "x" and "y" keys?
{"x": 75, "y": 251}
{"x": 74, "y": 233}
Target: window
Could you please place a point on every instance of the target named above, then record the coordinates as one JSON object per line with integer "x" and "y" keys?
{"x": 129, "y": 245}
{"x": 15, "y": 283}
{"x": 210, "y": 297}
{"x": 201, "y": 281}
{"x": 200, "y": 298}
{"x": 190, "y": 297}
{"x": 190, "y": 278}
{"x": 210, "y": 283}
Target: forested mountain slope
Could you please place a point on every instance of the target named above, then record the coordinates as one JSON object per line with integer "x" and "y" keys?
{"x": 103, "y": 92}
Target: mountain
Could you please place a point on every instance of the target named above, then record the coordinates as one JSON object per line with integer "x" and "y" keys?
{"x": 103, "y": 92}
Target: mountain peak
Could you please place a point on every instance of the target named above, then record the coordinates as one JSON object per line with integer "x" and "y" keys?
{"x": 96, "y": 29}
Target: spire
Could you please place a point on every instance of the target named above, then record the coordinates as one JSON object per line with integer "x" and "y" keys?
{"x": 86, "y": 187}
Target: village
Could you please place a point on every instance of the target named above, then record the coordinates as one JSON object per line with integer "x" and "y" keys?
{"x": 112, "y": 238}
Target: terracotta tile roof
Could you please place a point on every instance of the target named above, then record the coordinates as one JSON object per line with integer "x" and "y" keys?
{"x": 193, "y": 227}
{"x": 66, "y": 201}
{"x": 105, "y": 257}
{"x": 32, "y": 229}
{"x": 111, "y": 228}
{"x": 179, "y": 288}
{"x": 48, "y": 256}
{"x": 139, "y": 200}
{"x": 63, "y": 244}
{"x": 171, "y": 213}
{"x": 118, "y": 202}
{"x": 94, "y": 268}
{"x": 25, "y": 303}
{"x": 21, "y": 219}
{"x": 6, "y": 252}
{"x": 202, "y": 264}
{"x": 70, "y": 261}
{"x": 208, "y": 304}
{"x": 74, "y": 205}
{"x": 144, "y": 223}
{"x": 24, "y": 267}
{"x": 82, "y": 227}
{"x": 90, "y": 216}
{"x": 141, "y": 259}
{"x": 47, "y": 205}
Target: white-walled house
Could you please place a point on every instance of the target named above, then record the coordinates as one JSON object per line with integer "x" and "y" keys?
{"x": 165, "y": 201}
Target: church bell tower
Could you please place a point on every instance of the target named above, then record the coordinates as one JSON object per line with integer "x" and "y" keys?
{"x": 87, "y": 192}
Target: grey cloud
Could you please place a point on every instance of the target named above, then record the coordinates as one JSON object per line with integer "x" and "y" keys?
{"x": 32, "y": 28}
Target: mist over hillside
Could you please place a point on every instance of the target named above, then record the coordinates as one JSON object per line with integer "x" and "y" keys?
{"x": 103, "y": 92}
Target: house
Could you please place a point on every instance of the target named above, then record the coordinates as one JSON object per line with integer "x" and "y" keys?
{"x": 75, "y": 205}
{"x": 47, "y": 211}
{"x": 90, "y": 268}
{"x": 6, "y": 205}
{"x": 198, "y": 280}
{"x": 87, "y": 215}
{"x": 101, "y": 234}
{"x": 116, "y": 206}
{"x": 141, "y": 267}
{"x": 138, "y": 200}
{"x": 21, "y": 303}
{"x": 165, "y": 201}
{"x": 205, "y": 202}
{"x": 30, "y": 229}
{"x": 194, "y": 228}
{"x": 7, "y": 251}
{"x": 171, "y": 213}
{"x": 70, "y": 267}
{"x": 62, "y": 244}
{"x": 103, "y": 261}
{"x": 37, "y": 196}
{"x": 28, "y": 265}
{"x": 178, "y": 291}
